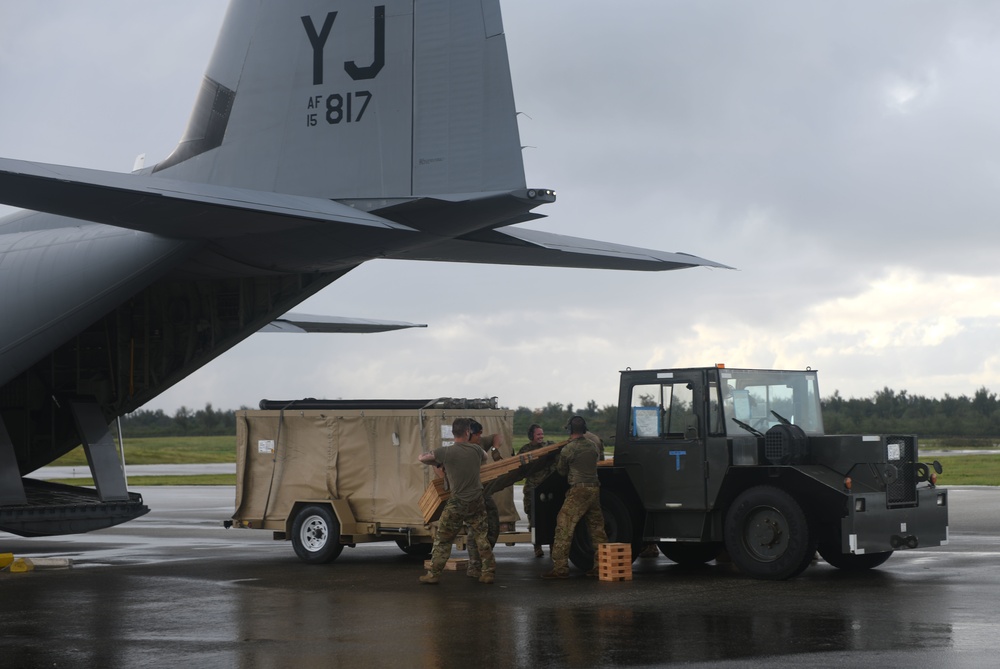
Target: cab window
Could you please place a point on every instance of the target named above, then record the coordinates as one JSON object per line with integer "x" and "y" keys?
{"x": 663, "y": 411}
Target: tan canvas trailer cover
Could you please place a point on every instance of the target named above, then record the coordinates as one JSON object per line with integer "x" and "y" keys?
{"x": 359, "y": 463}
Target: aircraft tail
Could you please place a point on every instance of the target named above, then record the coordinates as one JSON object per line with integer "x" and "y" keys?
{"x": 372, "y": 99}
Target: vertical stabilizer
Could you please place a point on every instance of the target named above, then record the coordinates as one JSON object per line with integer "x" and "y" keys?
{"x": 356, "y": 99}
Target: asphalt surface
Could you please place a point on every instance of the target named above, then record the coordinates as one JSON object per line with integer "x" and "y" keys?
{"x": 174, "y": 588}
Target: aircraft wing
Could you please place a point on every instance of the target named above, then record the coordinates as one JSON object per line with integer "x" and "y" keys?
{"x": 300, "y": 323}
{"x": 176, "y": 209}
{"x": 518, "y": 246}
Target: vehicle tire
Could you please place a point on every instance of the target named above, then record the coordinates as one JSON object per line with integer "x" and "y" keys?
{"x": 849, "y": 561}
{"x": 618, "y": 525}
{"x": 416, "y": 549}
{"x": 316, "y": 534}
{"x": 768, "y": 535}
{"x": 690, "y": 554}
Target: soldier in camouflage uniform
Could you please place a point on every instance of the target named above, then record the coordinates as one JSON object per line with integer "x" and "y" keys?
{"x": 536, "y": 440}
{"x": 487, "y": 443}
{"x": 578, "y": 462}
{"x": 465, "y": 506}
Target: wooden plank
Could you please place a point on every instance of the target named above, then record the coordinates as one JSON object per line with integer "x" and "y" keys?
{"x": 615, "y": 573}
{"x": 435, "y": 495}
{"x": 453, "y": 564}
{"x": 612, "y": 551}
{"x": 614, "y": 562}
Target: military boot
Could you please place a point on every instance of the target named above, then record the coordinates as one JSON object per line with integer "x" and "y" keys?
{"x": 430, "y": 578}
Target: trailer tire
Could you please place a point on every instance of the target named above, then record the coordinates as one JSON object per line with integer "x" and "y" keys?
{"x": 416, "y": 549}
{"x": 316, "y": 534}
{"x": 690, "y": 554}
{"x": 618, "y": 525}
{"x": 850, "y": 561}
{"x": 768, "y": 534}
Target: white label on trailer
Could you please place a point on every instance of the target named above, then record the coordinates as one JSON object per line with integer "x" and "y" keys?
{"x": 894, "y": 453}
{"x": 265, "y": 446}
{"x": 664, "y": 375}
{"x": 871, "y": 437}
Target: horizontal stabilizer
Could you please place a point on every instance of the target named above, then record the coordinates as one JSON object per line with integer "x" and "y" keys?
{"x": 517, "y": 246}
{"x": 176, "y": 209}
{"x": 307, "y": 323}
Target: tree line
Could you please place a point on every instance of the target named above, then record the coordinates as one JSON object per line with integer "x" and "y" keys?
{"x": 184, "y": 423}
{"x": 886, "y": 411}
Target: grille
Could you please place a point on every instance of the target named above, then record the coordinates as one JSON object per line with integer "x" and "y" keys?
{"x": 902, "y": 491}
{"x": 784, "y": 444}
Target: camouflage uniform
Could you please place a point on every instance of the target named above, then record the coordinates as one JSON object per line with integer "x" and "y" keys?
{"x": 532, "y": 481}
{"x": 457, "y": 514}
{"x": 578, "y": 461}
{"x": 465, "y": 507}
{"x": 475, "y": 557}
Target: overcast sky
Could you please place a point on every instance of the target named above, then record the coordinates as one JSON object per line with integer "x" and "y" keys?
{"x": 844, "y": 156}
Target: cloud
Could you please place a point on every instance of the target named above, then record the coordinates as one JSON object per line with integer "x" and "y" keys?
{"x": 842, "y": 156}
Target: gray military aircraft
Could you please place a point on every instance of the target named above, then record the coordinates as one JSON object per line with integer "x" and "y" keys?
{"x": 325, "y": 133}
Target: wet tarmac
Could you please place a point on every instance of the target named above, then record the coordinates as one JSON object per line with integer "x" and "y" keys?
{"x": 174, "y": 588}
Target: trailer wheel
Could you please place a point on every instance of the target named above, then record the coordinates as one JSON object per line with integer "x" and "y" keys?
{"x": 417, "y": 549}
{"x": 618, "y": 526}
{"x": 768, "y": 535}
{"x": 316, "y": 535}
{"x": 850, "y": 561}
{"x": 690, "y": 554}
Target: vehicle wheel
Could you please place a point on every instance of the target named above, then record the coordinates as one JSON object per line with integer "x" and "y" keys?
{"x": 417, "y": 549}
{"x": 849, "y": 561}
{"x": 768, "y": 535}
{"x": 618, "y": 525}
{"x": 316, "y": 534}
{"x": 690, "y": 554}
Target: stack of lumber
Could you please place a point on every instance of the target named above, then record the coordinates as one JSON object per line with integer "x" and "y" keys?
{"x": 433, "y": 499}
{"x": 614, "y": 562}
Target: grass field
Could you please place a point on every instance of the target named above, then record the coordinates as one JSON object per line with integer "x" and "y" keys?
{"x": 969, "y": 469}
{"x": 166, "y": 451}
{"x": 198, "y": 479}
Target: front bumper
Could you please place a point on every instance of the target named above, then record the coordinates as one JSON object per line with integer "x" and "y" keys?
{"x": 871, "y": 527}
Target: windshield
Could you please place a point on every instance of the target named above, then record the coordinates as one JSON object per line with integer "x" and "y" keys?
{"x": 753, "y": 397}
